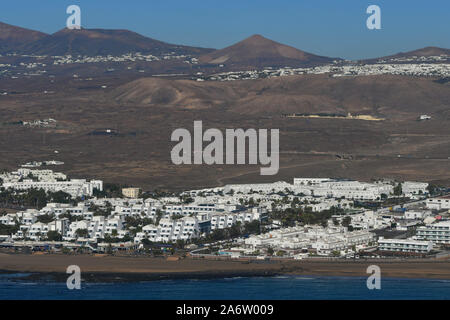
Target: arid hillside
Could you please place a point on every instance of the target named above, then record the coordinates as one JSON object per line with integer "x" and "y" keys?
{"x": 144, "y": 113}
{"x": 392, "y": 97}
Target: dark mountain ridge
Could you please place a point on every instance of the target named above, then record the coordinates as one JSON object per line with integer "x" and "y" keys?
{"x": 92, "y": 42}
{"x": 12, "y": 38}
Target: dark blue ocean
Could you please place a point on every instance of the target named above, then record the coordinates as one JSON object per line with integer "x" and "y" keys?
{"x": 258, "y": 288}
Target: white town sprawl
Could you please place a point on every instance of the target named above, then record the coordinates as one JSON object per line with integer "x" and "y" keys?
{"x": 327, "y": 216}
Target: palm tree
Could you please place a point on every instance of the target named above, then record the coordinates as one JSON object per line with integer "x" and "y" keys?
{"x": 82, "y": 233}
{"x": 24, "y": 233}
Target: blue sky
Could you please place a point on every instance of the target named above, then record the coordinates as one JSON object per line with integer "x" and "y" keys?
{"x": 335, "y": 28}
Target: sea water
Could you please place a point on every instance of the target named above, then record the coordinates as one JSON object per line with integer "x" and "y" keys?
{"x": 258, "y": 288}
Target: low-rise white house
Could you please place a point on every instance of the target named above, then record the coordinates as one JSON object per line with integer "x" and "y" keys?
{"x": 97, "y": 227}
{"x": 37, "y": 231}
{"x": 74, "y": 226}
{"x": 438, "y": 203}
{"x": 113, "y": 225}
{"x": 410, "y": 188}
{"x": 9, "y": 219}
{"x": 416, "y": 215}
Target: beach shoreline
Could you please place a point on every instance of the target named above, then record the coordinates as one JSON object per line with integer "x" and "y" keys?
{"x": 52, "y": 267}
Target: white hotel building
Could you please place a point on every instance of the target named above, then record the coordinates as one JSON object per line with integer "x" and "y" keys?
{"x": 437, "y": 232}
{"x": 222, "y": 220}
{"x": 185, "y": 228}
{"x": 410, "y": 188}
{"x": 323, "y": 187}
{"x": 323, "y": 240}
{"x": 352, "y": 190}
{"x": 258, "y": 187}
{"x": 343, "y": 188}
{"x": 189, "y": 209}
{"x": 404, "y": 245}
{"x": 74, "y": 187}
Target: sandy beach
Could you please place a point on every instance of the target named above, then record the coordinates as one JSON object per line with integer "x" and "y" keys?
{"x": 111, "y": 268}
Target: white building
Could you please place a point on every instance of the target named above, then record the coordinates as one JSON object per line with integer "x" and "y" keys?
{"x": 410, "y": 188}
{"x": 405, "y": 245}
{"x": 436, "y": 232}
{"x": 37, "y": 231}
{"x": 416, "y": 215}
{"x": 438, "y": 203}
{"x": 58, "y": 209}
{"x": 310, "y": 181}
{"x": 74, "y": 187}
{"x": 258, "y": 187}
{"x": 324, "y": 240}
{"x": 8, "y": 219}
{"x": 74, "y": 226}
{"x": 424, "y": 117}
{"x": 169, "y": 230}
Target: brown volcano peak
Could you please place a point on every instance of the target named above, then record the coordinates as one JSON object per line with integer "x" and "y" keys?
{"x": 258, "y": 51}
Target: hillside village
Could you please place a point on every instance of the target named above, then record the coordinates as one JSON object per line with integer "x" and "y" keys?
{"x": 420, "y": 66}
{"x": 405, "y": 69}
{"x": 308, "y": 217}
{"x": 36, "y": 65}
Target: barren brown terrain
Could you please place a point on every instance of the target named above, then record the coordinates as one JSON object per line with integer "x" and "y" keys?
{"x": 146, "y": 111}
{"x": 156, "y": 268}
